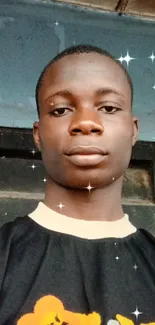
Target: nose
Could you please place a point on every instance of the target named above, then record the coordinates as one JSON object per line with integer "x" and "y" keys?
{"x": 86, "y": 123}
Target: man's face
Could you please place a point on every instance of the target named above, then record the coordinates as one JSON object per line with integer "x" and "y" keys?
{"x": 85, "y": 100}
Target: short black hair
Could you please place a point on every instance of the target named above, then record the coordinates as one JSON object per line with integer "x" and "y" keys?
{"x": 77, "y": 49}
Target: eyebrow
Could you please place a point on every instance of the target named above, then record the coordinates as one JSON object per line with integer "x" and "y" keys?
{"x": 65, "y": 93}
{"x": 105, "y": 91}
{"x": 99, "y": 92}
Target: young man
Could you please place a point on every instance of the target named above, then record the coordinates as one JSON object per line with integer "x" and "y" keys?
{"x": 77, "y": 259}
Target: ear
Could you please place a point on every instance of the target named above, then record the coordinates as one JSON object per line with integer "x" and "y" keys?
{"x": 36, "y": 136}
{"x": 135, "y": 130}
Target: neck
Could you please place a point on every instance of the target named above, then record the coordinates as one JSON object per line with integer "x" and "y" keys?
{"x": 102, "y": 204}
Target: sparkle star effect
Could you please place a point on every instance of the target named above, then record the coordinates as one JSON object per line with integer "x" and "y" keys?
{"x": 33, "y": 151}
{"x": 126, "y": 58}
{"x": 121, "y": 59}
{"x": 44, "y": 180}
{"x": 117, "y": 258}
{"x": 136, "y": 313}
{"x": 135, "y": 267}
{"x": 89, "y": 187}
{"x": 60, "y": 205}
{"x": 56, "y": 23}
{"x": 152, "y": 57}
{"x": 33, "y": 166}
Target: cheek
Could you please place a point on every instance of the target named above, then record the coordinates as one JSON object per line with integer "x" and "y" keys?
{"x": 123, "y": 143}
{"x": 51, "y": 135}
{"x": 121, "y": 129}
{"x": 52, "y": 143}
{"x": 120, "y": 142}
{"x": 52, "y": 161}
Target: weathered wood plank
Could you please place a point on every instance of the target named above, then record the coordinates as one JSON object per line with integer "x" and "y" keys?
{"x": 141, "y": 7}
{"x": 103, "y": 4}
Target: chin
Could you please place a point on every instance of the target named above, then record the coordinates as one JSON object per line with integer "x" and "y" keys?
{"x": 80, "y": 180}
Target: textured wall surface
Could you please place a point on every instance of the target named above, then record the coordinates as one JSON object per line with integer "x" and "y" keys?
{"x": 31, "y": 33}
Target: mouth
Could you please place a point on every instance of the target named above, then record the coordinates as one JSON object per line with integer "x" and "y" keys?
{"x": 85, "y": 150}
{"x": 86, "y": 156}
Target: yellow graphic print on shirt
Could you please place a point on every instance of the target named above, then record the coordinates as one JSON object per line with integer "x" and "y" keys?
{"x": 49, "y": 310}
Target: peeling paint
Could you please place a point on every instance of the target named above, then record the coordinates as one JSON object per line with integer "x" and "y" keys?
{"x": 60, "y": 33}
{"x": 4, "y": 21}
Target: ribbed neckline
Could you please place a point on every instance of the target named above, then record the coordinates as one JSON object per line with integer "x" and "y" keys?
{"x": 52, "y": 220}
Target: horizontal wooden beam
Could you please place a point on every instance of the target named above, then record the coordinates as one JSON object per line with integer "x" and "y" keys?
{"x": 136, "y": 7}
{"x": 141, "y": 7}
{"x": 103, "y": 4}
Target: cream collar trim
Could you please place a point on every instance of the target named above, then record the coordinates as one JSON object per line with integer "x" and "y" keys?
{"x": 55, "y": 221}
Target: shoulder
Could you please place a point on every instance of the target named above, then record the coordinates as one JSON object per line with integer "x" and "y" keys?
{"x": 9, "y": 229}
{"x": 10, "y": 233}
{"x": 147, "y": 235}
{"x": 7, "y": 234}
{"x": 146, "y": 241}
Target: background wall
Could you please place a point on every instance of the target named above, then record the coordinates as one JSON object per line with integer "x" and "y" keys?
{"x": 31, "y": 33}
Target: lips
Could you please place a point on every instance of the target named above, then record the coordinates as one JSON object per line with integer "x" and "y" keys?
{"x": 85, "y": 150}
{"x": 86, "y": 156}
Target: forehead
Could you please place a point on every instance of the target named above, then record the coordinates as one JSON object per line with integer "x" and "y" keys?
{"x": 85, "y": 71}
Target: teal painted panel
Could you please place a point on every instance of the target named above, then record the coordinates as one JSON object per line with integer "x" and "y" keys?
{"x": 31, "y": 33}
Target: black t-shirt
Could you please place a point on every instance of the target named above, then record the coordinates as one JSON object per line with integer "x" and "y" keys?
{"x": 47, "y": 277}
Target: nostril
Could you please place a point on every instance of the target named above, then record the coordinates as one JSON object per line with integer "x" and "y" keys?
{"x": 76, "y": 130}
{"x": 95, "y": 131}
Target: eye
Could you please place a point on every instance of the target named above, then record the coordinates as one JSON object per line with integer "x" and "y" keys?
{"x": 59, "y": 111}
{"x": 110, "y": 109}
